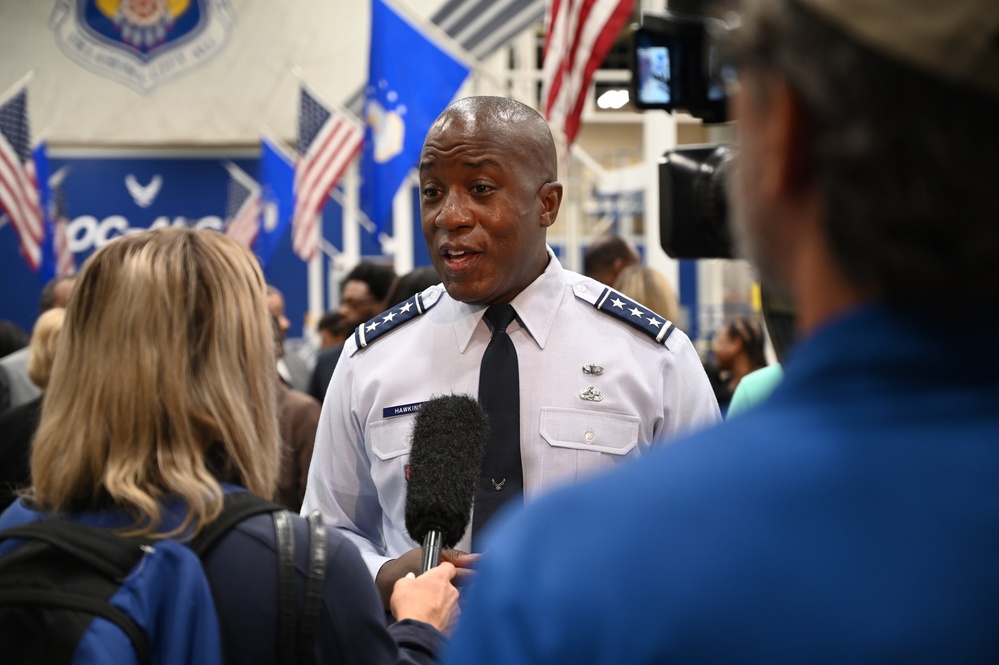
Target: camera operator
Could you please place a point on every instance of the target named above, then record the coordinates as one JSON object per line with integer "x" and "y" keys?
{"x": 854, "y": 516}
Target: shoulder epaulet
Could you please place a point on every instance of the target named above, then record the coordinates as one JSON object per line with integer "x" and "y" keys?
{"x": 396, "y": 316}
{"x": 609, "y": 301}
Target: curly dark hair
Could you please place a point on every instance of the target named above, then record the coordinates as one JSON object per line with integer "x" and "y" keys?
{"x": 378, "y": 277}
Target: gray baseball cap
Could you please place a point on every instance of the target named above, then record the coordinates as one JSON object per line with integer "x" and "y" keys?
{"x": 954, "y": 39}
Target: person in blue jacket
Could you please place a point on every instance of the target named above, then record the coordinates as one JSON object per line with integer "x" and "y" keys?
{"x": 162, "y": 399}
{"x": 854, "y": 516}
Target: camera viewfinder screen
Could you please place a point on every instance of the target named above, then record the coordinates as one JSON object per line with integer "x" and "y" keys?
{"x": 654, "y": 75}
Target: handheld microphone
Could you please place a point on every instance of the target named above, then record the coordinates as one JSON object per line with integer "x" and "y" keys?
{"x": 449, "y": 440}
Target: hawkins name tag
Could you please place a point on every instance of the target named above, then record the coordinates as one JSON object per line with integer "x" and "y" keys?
{"x": 401, "y": 410}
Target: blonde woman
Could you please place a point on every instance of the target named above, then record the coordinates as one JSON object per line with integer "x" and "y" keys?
{"x": 161, "y": 400}
{"x": 18, "y": 425}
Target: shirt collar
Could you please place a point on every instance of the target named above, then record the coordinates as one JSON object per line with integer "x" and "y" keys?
{"x": 536, "y": 307}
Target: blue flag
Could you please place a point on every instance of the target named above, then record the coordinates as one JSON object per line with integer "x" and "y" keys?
{"x": 277, "y": 185}
{"x": 47, "y": 268}
{"x": 411, "y": 80}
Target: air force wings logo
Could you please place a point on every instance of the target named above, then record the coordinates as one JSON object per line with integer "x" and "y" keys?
{"x": 143, "y": 195}
{"x": 141, "y": 43}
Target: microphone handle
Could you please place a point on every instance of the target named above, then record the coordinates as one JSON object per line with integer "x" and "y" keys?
{"x": 432, "y": 543}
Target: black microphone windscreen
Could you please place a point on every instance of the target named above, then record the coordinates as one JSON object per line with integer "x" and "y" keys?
{"x": 449, "y": 440}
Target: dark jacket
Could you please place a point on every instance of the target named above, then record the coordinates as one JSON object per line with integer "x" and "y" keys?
{"x": 321, "y": 375}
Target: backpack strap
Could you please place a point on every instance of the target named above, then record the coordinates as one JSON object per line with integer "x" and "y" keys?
{"x": 237, "y": 507}
{"x": 285, "y": 538}
{"x": 112, "y": 557}
{"x": 314, "y": 585}
{"x": 295, "y": 643}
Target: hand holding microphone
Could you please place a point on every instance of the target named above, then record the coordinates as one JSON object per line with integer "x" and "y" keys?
{"x": 430, "y": 598}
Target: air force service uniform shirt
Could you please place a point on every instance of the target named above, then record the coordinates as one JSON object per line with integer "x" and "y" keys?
{"x": 602, "y": 380}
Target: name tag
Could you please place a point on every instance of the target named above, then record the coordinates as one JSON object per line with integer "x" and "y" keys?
{"x": 401, "y": 410}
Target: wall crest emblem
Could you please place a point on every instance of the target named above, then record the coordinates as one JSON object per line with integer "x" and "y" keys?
{"x": 141, "y": 43}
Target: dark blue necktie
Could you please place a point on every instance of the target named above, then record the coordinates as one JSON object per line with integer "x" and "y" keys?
{"x": 502, "y": 477}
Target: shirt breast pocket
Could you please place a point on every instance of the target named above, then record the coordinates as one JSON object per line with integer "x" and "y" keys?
{"x": 582, "y": 442}
{"x": 390, "y": 440}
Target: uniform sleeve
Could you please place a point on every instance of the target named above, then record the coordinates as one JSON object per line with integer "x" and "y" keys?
{"x": 690, "y": 403}
{"x": 340, "y": 485}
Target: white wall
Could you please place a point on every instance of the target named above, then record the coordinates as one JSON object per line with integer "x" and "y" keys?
{"x": 224, "y": 102}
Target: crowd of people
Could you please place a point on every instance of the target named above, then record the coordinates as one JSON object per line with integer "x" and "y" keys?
{"x": 847, "y": 514}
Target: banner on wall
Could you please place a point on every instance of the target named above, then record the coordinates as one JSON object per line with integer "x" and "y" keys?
{"x": 107, "y": 197}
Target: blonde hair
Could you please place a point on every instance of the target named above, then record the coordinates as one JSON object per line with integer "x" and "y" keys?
{"x": 650, "y": 288}
{"x": 42, "y": 349}
{"x": 165, "y": 371}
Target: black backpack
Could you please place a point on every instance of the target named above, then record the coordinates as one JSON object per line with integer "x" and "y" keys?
{"x": 76, "y": 593}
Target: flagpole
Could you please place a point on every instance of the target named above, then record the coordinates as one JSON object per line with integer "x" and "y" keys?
{"x": 240, "y": 176}
{"x": 351, "y": 223}
{"x": 279, "y": 144}
{"x": 55, "y": 180}
{"x": 17, "y": 87}
{"x": 402, "y": 226}
{"x": 335, "y": 258}
{"x": 316, "y": 308}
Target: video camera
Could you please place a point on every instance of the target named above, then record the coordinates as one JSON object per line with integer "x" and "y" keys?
{"x": 674, "y": 68}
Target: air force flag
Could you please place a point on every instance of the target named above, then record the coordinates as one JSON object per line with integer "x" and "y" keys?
{"x": 410, "y": 81}
{"x": 277, "y": 178}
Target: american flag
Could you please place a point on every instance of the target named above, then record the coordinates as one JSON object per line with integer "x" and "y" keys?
{"x": 65, "y": 262}
{"x": 18, "y": 183}
{"x": 578, "y": 35}
{"x": 242, "y": 212}
{"x": 327, "y": 142}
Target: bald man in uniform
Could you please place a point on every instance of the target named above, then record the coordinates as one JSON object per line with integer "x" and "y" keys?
{"x": 602, "y": 380}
